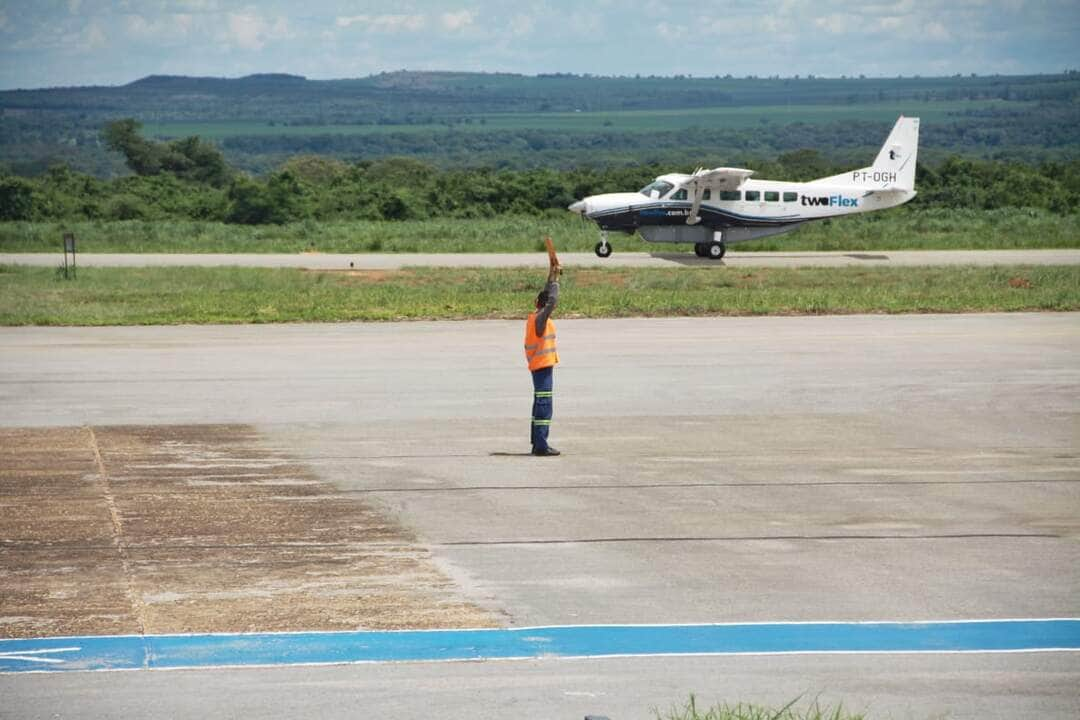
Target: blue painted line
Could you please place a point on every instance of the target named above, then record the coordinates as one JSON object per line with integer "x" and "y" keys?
{"x": 192, "y": 651}
{"x": 105, "y": 652}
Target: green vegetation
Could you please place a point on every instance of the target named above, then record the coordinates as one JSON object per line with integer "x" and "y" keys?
{"x": 633, "y": 121}
{"x": 188, "y": 180}
{"x": 748, "y": 711}
{"x": 554, "y": 121}
{"x": 189, "y": 159}
{"x": 136, "y": 296}
{"x": 459, "y": 162}
{"x": 901, "y": 229}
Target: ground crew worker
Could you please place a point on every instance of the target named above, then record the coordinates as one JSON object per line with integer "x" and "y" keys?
{"x": 542, "y": 358}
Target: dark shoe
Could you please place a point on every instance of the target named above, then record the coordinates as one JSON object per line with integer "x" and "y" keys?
{"x": 545, "y": 452}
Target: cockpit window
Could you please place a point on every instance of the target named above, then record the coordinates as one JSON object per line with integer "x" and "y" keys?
{"x": 659, "y": 187}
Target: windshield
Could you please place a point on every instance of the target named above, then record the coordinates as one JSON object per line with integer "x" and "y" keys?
{"x": 659, "y": 187}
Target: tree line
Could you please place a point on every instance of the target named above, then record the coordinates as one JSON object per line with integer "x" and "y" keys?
{"x": 1028, "y": 118}
{"x": 190, "y": 179}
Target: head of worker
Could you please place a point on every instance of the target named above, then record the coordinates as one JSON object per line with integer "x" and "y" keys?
{"x": 541, "y": 299}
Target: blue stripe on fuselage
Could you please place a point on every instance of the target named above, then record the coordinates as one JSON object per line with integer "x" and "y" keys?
{"x": 660, "y": 211}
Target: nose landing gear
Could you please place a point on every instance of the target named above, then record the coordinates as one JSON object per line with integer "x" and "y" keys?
{"x": 602, "y": 248}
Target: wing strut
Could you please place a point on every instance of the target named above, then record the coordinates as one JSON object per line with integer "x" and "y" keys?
{"x": 717, "y": 179}
{"x": 694, "y": 218}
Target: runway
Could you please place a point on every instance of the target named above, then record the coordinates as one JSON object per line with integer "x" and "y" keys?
{"x": 716, "y": 470}
{"x": 660, "y": 258}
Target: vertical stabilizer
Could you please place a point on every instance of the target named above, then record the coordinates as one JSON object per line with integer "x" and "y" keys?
{"x": 898, "y": 154}
{"x": 894, "y": 167}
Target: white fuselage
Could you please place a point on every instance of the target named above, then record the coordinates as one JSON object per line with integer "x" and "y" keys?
{"x": 758, "y": 200}
{"x": 723, "y": 205}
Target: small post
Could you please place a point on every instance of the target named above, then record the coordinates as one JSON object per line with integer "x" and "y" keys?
{"x": 69, "y": 247}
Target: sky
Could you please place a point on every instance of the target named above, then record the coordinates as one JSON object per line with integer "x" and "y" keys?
{"x": 49, "y": 43}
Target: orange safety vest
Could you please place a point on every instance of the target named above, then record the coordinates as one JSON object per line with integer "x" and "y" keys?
{"x": 540, "y": 349}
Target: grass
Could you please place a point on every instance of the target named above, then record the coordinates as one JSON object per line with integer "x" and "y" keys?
{"x": 901, "y": 229}
{"x": 746, "y": 711}
{"x": 150, "y": 296}
{"x": 608, "y": 121}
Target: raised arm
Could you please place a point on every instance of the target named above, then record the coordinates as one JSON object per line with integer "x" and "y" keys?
{"x": 552, "y": 289}
{"x": 544, "y": 313}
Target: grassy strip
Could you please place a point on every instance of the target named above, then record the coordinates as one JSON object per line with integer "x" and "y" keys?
{"x": 901, "y": 229}
{"x": 151, "y": 296}
{"x": 749, "y": 711}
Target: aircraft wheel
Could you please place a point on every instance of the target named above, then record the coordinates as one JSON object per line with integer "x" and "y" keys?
{"x": 699, "y": 249}
{"x": 716, "y": 250}
{"x": 603, "y": 250}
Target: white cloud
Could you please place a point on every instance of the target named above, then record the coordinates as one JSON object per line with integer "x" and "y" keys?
{"x": 199, "y": 6}
{"x": 457, "y": 20}
{"x": 384, "y": 23}
{"x": 937, "y": 31}
{"x": 251, "y": 32}
{"x": 115, "y": 39}
{"x": 835, "y": 24}
{"x": 87, "y": 40}
{"x": 167, "y": 29}
{"x": 522, "y": 25}
{"x": 94, "y": 37}
{"x": 670, "y": 32}
{"x": 891, "y": 23}
{"x": 139, "y": 27}
{"x": 771, "y": 23}
{"x": 903, "y": 7}
{"x": 584, "y": 22}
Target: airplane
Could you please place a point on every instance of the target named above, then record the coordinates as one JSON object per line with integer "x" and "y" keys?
{"x": 714, "y": 208}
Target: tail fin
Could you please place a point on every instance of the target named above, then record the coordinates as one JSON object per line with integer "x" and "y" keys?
{"x": 894, "y": 167}
{"x": 898, "y": 154}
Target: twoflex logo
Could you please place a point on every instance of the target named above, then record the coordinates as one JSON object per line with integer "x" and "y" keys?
{"x": 831, "y": 201}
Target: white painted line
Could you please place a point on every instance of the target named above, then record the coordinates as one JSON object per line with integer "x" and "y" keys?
{"x": 22, "y": 655}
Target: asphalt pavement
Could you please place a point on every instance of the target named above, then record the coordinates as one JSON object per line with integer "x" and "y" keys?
{"x": 716, "y": 470}
{"x": 660, "y": 258}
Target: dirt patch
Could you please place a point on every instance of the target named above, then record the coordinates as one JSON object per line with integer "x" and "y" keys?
{"x": 366, "y": 276}
{"x": 1020, "y": 283}
{"x": 600, "y": 278}
{"x": 198, "y": 529}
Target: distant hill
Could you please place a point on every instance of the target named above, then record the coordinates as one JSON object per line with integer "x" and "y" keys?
{"x": 406, "y": 97}
{"x": 168, "y": 83}
{"x": 519, "y": 120}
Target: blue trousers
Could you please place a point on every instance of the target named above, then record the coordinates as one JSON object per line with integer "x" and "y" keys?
{"x": 543, "y": 395}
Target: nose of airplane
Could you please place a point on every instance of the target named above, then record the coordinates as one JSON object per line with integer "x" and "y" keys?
{"x": 577, "y": 207}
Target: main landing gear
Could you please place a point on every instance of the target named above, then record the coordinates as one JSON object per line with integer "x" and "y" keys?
{"x": 602, "y": 248}
{"x": 713, "y": 250}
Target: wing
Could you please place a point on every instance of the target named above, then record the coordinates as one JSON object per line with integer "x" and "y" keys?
{"x": 718, "y": 178}
{"x": 715, "y": 179}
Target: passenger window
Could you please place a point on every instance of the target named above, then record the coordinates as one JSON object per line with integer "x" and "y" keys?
{"x": 791, "y": 197}
{"x": 707, "y": 195}
{"x": 772, "y": 196}
{"x": 680, "y": 195}
{"x": 731, "y": 194}
{"x": 752, "y": 195}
